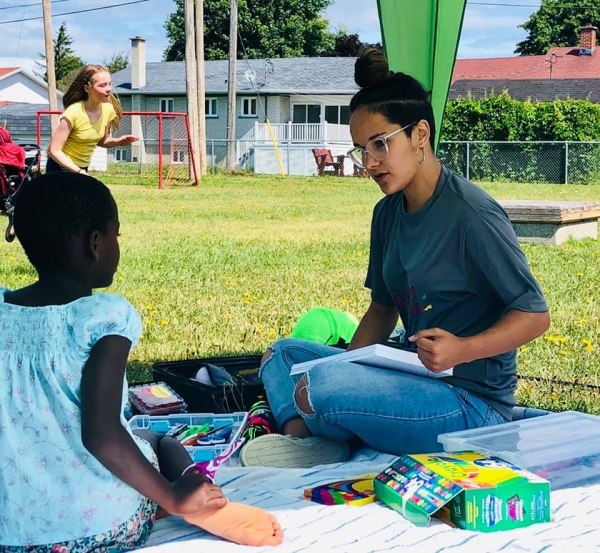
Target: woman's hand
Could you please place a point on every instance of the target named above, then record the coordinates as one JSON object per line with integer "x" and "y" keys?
{"x": 193, "y": 493}
{"x": 127, "y": 139}
{"x": 439, "y": 350}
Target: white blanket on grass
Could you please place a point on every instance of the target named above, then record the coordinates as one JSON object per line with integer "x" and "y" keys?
{"x": 310, "y": 527}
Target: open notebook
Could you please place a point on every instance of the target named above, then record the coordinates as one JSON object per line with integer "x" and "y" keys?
{"x": 377, "y": 355}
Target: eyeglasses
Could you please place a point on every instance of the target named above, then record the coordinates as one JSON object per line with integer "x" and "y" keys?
{"x": 377, "y": 148}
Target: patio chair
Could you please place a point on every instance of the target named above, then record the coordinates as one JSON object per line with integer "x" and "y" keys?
{"x": 326, "y": 164}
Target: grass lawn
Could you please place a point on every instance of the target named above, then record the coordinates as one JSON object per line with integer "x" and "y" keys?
{"x": 229, "y": 266}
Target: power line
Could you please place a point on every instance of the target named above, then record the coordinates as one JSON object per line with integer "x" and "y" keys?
{"x": 19, "y": 39}
{"x": 78, "y": 11}
{"x": 30, "y": 5}
{"x": 506, "y": 5}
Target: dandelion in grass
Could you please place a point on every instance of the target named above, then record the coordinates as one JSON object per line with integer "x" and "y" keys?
{"x": 564, "y": 352}
{"x": 523, "y": 349}
{"x": 554, "y": 398}
{"x": 588, "y": 344}
{"x": 164, "y": 322}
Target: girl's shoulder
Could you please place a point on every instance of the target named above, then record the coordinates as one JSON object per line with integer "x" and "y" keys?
{"x": 104, "y": 301}
{"x": 75, "y": 108}
{"x": 102, "y": 314}
{"x": 74, "y": 113}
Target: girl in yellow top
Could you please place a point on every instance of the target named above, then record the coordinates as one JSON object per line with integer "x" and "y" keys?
{"x": 91, "y": 113}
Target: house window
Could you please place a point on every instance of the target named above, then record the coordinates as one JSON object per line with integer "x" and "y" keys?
{"x": 306, "y": 113}
{"x": 249, "y": 107}
{"x": 167, "y": 105}
{"x": 337, "y": 115}
{"x": 210, "y": 107}
{"x": 120, "y": 154}
{"x": 178, "y": 156}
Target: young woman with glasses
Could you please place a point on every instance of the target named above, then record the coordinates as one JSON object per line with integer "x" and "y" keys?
{"x": 444, "y": 259}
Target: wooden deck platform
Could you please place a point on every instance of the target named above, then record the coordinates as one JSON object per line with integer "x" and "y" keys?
{"x": 551, "y": 222}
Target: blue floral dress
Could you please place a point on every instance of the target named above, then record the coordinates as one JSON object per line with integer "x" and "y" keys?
{"x": 54, "y": 495}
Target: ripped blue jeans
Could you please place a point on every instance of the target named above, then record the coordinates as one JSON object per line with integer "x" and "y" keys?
{"x": 390, "y": 411}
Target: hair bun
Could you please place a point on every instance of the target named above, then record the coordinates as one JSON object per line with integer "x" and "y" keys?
{"x": 371, "y": 68}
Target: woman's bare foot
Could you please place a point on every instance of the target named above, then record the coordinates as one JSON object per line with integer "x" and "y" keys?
{"x": 241, "y": 524}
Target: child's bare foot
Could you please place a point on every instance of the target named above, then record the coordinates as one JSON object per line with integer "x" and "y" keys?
{"x": 241, "y": 524}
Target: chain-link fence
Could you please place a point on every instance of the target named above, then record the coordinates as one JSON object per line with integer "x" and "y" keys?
{"x": 544, "y": 162}
{"x": 268, "y": 157}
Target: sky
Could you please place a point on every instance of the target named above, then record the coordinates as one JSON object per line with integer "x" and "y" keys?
{"x": 490, "y": 28}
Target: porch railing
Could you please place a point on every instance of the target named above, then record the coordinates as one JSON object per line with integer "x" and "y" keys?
{"x": 299, "y": 132}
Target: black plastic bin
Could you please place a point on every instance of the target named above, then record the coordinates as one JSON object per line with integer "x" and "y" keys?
{"x": 201, "y": 398}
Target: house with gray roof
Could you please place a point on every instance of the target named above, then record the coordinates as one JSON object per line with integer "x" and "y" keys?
{"x": 301, "y": 91}
{"x": 305, "y": 101}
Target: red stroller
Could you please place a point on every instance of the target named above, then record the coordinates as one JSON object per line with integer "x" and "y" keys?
{"x": 19, "y": 164}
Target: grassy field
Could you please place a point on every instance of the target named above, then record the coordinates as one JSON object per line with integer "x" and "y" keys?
{"x": 229, "y": 266}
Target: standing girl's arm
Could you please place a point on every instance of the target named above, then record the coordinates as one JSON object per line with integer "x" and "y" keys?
{"x": 105, "y": 438}
{"x": 59, "y": 139}
{"x": 110, "y": 142}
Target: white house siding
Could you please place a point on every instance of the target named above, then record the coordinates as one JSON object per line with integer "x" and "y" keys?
{"x": 216, "y": 127}
{"x": 99, "y": 161}
{"x": 277, "y": 108}
{"x": 301, "y": 159}
{"x": 20, "y": 88}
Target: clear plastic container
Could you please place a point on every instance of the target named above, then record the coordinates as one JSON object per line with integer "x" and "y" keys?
{"x": 162, "y": 424}
{"x": 563, "y": 447}
{"x": 155, "y": 399}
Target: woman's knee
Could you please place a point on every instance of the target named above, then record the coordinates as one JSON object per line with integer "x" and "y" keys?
{"x": 266, "y": 356}
{"x": 301, "y": 397}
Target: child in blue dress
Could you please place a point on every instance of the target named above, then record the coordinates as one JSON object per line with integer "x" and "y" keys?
{"x": 73, "y": 477}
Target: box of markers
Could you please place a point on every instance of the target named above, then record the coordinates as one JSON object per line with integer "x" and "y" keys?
{"x": 465, "y": 489}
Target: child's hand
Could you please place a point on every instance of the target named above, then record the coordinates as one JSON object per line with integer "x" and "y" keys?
{"x": 193, "y": 493}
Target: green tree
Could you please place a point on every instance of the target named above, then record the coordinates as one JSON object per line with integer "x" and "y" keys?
{"x": 118, "y": 61}
{"x": 65, "y": 59}
{"x": 269, "y": 29}
{"x": 556, "y": 24}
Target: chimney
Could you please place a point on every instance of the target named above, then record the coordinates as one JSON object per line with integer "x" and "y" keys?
{"x": 587, "y": 38}
{"x": 138, "y": 63}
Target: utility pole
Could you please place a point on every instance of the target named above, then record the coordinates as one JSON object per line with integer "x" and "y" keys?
{"x": 201, "y": 85}
{"x": 50, "y": 69}
{"x": 231, "y": 86}
{"x": 191, "y": 76}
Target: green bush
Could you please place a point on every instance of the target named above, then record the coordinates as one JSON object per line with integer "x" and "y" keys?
{"x": 498, "y": 119}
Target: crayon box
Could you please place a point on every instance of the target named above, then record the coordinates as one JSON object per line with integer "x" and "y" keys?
{"x": 466, "y": 489}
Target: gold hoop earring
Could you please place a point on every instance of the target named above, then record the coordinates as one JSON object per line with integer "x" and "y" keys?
{"x": 420, "y": 161}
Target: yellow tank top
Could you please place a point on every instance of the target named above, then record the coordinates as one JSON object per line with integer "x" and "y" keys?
{"x": 85, "y": 135}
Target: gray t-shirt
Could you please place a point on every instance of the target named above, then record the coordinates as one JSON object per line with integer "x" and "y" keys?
{"x": 455, "y": 264}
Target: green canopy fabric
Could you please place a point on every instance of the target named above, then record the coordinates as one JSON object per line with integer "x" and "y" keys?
{"x": 420, "y": 38}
